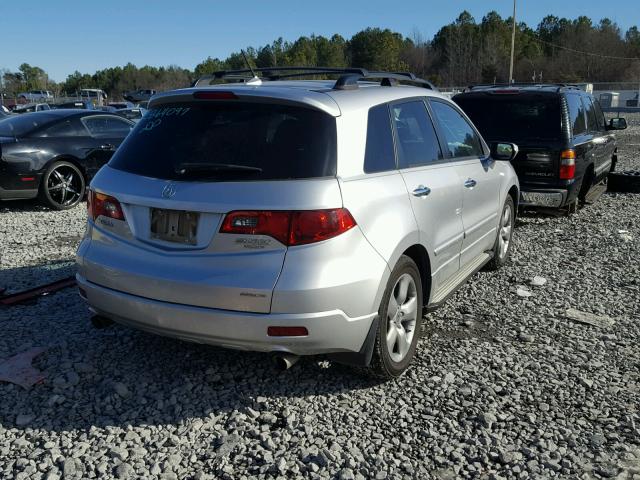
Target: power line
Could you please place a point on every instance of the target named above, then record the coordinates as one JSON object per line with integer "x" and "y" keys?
{"x": 591, "y": 54}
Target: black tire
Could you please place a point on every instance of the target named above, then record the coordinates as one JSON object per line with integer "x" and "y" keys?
{"x": 627, "y": 181}
{"x": 505, "y": 234}
{"x": 585, "y": 186}
{"x": 383, "y": 364}
{"x": 62, "y": 186}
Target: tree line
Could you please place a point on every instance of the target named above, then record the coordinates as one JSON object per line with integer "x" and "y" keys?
{"x": 463, "y": 52}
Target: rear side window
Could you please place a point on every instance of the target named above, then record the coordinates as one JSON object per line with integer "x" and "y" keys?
{"x": 105, "y": 126}
{"x": 576, "y": 114}
{"x": 462, "y": 140}
{"x": 417, "y": 141}
{"x": 218, "y": 141}
{"x": 599, "y": 115}
{"x": 592, "y": 123}
{"x": 379, "y": 155}
{"x": 65, "y": 128}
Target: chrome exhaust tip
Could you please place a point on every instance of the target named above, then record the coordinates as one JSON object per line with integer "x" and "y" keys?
{"x": 284, "y": 361}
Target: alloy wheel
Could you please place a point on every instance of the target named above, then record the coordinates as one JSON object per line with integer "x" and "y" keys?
{"x": 402, "y": 314}
{"x": 506, "y": 227}
{"x": 64, "y": 186}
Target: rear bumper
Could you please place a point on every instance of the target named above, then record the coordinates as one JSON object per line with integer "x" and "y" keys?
{"x": 329, "y": 332}
{"x": 18, "y": 182}
{"x": 545, "y": 198}
{"x": 6, "y": 194}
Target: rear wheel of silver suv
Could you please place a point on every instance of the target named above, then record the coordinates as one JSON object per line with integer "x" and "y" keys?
{"x": 400, "y": 320}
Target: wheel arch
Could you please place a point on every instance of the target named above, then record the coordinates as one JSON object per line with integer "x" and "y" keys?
{"x": 588, "y": 178}
{"x": 419, "y": 254}
{"x": 66, "y": 158}
{"x": 410, "y": 246}
{"x": 514, "y": 193}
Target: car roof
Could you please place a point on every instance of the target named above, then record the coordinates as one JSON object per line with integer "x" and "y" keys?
{"x": 57, "y": 113}
{"x": 319, "y": 94}
{"x": 60, "y": 112}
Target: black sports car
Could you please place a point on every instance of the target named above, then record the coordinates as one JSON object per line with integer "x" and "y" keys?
{"x": 52, "y": 155}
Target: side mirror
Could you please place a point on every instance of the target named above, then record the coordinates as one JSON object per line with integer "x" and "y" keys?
{"x": 504, "y": 151}
{"x": 617, "y": 124}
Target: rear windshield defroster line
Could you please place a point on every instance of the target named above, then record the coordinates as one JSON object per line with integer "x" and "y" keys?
{"x": 253, "y": 142}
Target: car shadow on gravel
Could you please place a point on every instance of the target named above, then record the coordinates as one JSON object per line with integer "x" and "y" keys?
{"x": 540, "y": 214}
{"x": 32, "y": 205}
{"x": 119, "y": 376}
{"x": 13, "y": 280}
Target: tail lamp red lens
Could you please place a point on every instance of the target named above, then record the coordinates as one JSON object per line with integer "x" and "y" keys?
{"x": 287, "y": 331}
{"x": 274, "y": 224}
{"x": 99, "y": 204}
{"x": 290, "y": 227}
{"x": 567, "y": 164}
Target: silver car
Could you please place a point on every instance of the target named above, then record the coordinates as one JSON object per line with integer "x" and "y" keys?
{"x": 299, "y": 217}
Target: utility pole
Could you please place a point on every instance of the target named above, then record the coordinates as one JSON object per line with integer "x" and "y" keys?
{"x": 513, "y": 42}
{"x": 638, "y": 101}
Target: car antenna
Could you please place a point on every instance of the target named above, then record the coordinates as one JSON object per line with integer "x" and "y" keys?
{"x": 246, "y": 60}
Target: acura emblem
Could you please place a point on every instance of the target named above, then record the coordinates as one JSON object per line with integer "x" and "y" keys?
{"x": 169, "y": 190}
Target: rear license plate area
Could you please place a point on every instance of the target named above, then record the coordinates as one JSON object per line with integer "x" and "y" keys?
{"x": 542, "y": 199}
{"x": 174, "y": 226}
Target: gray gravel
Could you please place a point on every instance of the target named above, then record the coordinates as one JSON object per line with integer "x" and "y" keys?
{"x": 504, "y": 386}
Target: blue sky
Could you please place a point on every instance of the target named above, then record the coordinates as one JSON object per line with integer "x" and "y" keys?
{"x": 68, "y": 35}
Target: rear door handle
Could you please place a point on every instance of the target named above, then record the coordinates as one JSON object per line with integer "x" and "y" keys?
{"x": 107, "y": 146}
{"x": 470, "y": 183}
{"x": 421, "y": 191}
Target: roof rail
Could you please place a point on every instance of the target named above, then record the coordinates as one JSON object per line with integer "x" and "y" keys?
{"x": 272, "y": 73}
{"x": 387, "y": 79}
{"x": 349, "y": 77}
{"x": 559, "y": 86}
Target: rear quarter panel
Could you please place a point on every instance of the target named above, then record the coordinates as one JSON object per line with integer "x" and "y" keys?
{"x": 379, "y": 202}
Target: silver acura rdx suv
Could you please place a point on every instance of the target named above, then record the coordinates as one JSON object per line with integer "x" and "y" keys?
{"x": 294, "y": 216}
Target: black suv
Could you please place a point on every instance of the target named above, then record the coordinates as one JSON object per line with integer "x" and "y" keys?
{"x": 565, "y": 145}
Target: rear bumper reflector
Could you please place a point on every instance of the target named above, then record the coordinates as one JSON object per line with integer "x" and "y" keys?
{"x": 287, "y": 331}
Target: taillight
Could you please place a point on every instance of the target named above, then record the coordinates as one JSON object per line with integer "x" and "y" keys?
{"x": 317, "y": 225}
{"x": 290, "y": 227}
{"x": 567, "y": 164}
{"x": 100, "y": 204}
{"x": 273, "y": 224}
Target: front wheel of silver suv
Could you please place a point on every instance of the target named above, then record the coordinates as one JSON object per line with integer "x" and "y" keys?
{"x": 400, "y": 320}
{"x": 504, "y": 239}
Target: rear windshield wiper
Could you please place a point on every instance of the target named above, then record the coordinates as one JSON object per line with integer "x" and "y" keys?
{"x": 189, "y": 168}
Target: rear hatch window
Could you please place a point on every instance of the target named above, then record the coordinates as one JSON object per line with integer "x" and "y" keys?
{"x": 520, "y": 117}
{"x": 229, "y": 141}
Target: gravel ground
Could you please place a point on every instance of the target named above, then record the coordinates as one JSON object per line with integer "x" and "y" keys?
{"x": 503, "y": 386}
